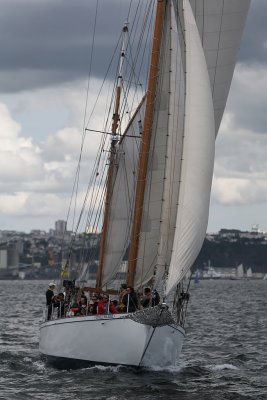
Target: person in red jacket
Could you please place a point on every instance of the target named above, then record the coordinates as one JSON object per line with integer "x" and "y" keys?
{"x": 105, "y": 306}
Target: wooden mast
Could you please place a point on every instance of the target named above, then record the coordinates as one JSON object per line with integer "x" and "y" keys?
{"x": 116, "y": 118}
{"x": 146, "y": 137}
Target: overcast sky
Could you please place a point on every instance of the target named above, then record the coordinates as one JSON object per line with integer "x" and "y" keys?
{"x": 45, "y": 52}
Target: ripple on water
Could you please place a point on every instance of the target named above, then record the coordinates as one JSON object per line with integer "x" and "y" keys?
{"x": 224, "y": 355}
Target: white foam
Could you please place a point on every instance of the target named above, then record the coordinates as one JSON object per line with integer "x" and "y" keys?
{"x": 222, "y": 367}
{"x": 40, "y": 366}
{"x": 109, "y": 368}
{"x": 171, "y": 369}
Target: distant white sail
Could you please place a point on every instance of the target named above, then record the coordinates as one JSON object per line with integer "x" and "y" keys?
{"x": 249, "y": 273}
{"x": 240, "y": 271}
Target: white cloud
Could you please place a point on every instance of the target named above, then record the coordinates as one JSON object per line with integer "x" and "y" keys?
{"x": 239, "y": 190}
{"x": 37, "y": 172}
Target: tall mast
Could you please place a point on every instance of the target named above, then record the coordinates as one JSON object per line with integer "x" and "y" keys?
{"x": 116, "y": 118}
{"x": 146, "y": 137}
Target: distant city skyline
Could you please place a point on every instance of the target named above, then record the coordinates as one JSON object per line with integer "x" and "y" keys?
{"x": 60, "y": 226}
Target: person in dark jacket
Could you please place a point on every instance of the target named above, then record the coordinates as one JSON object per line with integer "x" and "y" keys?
{"x": 130, "y": 300}
{"x": 150, "y": 299}
{"x": 49, "y": 298}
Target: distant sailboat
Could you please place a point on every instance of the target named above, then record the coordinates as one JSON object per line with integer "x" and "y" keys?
{"x": 249, "y": 273}
{"x": 157, "y": 191}
{"x": 240, "y": 271}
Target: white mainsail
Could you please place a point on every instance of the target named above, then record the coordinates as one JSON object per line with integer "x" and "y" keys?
{"x": 121, "y": 205}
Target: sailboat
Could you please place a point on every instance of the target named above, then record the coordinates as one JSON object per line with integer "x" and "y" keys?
{"x": 240, "y": 271}
{"x": 157, "y": 184}
{"x": 249, "y": 273}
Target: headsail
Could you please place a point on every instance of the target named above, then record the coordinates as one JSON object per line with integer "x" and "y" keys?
{"x": 198, "y": 157}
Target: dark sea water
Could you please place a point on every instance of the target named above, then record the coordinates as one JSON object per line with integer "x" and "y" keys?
{"x": 224, "y": 354}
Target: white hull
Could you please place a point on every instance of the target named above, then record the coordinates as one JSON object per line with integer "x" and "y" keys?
{"x": 111, "y": 339}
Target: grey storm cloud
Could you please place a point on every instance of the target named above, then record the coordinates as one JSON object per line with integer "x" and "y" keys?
{"x": 254, "y": 41}
{"x": 44, "y": 42}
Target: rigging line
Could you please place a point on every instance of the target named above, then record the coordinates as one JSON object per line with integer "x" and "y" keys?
{"x": 180, "y": 22}
{"x": 146, "y": 28}
{"x": 104, "y": 80}
{"x": 95, "y": 198}
{"x": 110, "y": 133}
{"x": 97, "y": 162}
{"x": 78, "y": 224}
{"x": 129, "y": 11}
{"x": 88, "y": 252}
{"x": 90, "y": 183}
{"x": 126, "y": 242}
{"x": 94, "y": 175}
{"x": 90, "y": 65}
{"x": 134, "y": 60}
{"x": 138, "y": 47}
{"x": 85, "y": 110}
{"x": 87, "y": 96}
{"x": 218, "y": 48}
{"x": 152, "y": 334}
{"x": 92, "y": 197}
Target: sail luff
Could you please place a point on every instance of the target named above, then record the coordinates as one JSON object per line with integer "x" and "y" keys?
{"x": 145, "y": 145}
{"x": 174, "y": 150}
{"x": 198, "y": 157}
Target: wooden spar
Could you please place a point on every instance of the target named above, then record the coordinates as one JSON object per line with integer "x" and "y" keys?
{"x": 109, "y": 187}
{"x": 145, "y": 145}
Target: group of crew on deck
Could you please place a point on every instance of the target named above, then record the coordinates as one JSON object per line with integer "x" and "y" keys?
{"x": 65, "y": 304}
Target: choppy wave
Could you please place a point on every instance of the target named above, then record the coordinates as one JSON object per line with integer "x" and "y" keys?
{"x": 224, "y": 355}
